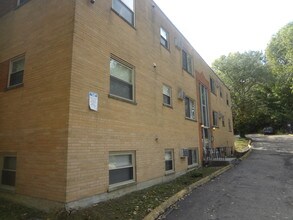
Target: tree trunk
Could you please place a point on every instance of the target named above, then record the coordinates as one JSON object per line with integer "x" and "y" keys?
{"x": 242, "y": 134}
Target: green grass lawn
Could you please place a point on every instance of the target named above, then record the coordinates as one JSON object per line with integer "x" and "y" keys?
{"x": 133, "y": 206}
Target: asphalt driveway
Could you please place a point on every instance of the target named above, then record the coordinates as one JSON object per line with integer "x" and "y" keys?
{"x": 259, "y": 188}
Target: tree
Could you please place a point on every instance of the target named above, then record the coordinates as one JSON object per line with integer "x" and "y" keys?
{"x": 279, "y": 55}
{"x": 246, "y": 74}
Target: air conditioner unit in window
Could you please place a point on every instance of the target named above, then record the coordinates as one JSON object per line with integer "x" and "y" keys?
{"x": 181, "y": 94}
{"x": 183, "y": 152}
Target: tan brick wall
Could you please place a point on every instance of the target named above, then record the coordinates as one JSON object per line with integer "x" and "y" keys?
{"x": 120, "y": 126}
{"x": 7, "y": 6}
{"x": 34, "y": 117}
{"x": 62, "y": 147}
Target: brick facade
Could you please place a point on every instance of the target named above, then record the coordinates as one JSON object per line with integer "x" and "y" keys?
{"x": 63, "y": 147}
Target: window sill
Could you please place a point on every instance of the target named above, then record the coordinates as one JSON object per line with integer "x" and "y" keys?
{"x": 14, "y": 87}
{"x": 190, "y": 119}
{"x": 166, "y": 105}
{"x": 170, "y": 172}
{"x": 167, "y": 48}
{"x": 122, "y": 99}
{"x": 122, "y": 185}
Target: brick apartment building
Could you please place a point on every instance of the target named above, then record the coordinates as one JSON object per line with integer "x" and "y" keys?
{"x": 155, "y": 103}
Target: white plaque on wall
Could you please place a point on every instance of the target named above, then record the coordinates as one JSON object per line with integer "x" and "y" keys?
{"x": 93, "y": 101}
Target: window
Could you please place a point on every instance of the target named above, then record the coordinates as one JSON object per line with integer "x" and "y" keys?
{"x": 121, "y": 168}
{"x": 121, "y": 80}
{"x": 125, "y": 9}
{"x": 167, "y": 95}
{"x": 16, "y": 70}
{"x": 227, "y": 99}
{"x": 189, "y": 108}
{"x": 215, "y": 119}
{"x": 187, "y": 62}
{"x": 169, "y": 160}
{"x": 213, "y": 86}
{"x": 221, "y": 93}
{"x": 164, "y": 38}
{"x": 8, "y": 171}
{"x": 192, "y": 157}
{"x": 223, "y": 121}
{"x": 229, "y": 124}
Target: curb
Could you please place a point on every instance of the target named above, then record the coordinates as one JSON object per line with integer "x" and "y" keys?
{"x": 172, "y": 200}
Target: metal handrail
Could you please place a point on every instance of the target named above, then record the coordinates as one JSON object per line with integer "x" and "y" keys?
{"x": 219, "y": 153}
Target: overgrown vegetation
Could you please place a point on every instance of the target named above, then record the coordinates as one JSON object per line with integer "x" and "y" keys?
{"x": 133, "y": 206}
{"x": 261, "y": 84}
{"x": 241, "y": 145}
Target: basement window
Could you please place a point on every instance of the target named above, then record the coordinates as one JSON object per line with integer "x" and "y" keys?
{"x": 192, "y": 158}
{"x": 8, "y": 170}
{"x": 121, "y": 168}
{"x": 169, "y": 161}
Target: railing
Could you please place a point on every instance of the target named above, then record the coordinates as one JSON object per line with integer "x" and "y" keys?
{"x": 219, "y": 153}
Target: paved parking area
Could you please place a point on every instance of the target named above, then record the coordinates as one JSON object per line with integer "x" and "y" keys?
{"x": 259, "y": 188}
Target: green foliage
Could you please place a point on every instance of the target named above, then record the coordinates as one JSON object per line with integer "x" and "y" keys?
{"x": 246, "y": 74}
{"x": 280, "y": 52}
{"x": 261, "y": 86}
{"x": 280, "y": 60}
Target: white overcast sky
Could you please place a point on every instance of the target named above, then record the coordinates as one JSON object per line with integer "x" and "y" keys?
{"x": 218, "y": 27}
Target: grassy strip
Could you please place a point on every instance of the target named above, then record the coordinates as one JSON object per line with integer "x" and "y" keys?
{"x": 133, "y": 206}
{"x": 12, "y": 211}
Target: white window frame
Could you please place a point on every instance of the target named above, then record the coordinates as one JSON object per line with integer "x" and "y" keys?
{"x": 125, "y": 7}
{"x": 122, "y": 183}
{"x": 189, "y": 62}
{"x": 172, "y": 160}
{"x": 130, "y": 67}
{"x": 194, "y": 160}
{"x": 192, "y": 111}
{"x": 168, "y": 95}
{"x": 215, "y": 119}
{"x": 164, "y": 40}
{"x": 9, "y": 170}
{"x": 12, "y": 61}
